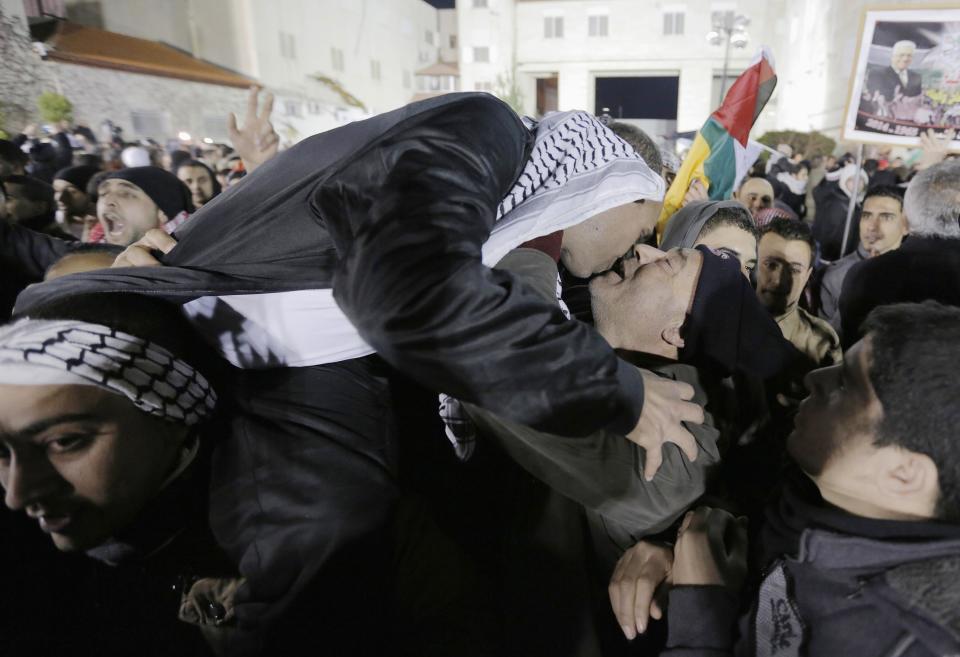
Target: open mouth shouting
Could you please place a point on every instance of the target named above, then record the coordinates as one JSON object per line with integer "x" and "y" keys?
{"x": 113, "y": 224}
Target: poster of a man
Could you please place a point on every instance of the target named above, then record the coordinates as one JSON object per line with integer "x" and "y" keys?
{"x": 906, "y": 76}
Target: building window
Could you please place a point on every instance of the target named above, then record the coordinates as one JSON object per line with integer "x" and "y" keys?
{"x": 598, "y": 26}
{"x": 428, "y": 37}
{"x": 150, "y": 123}
{"x": 479, "y": 4}
{"x": 336, "y": 56}
{"x": 291, "y": 108}
{"x": 483, "y": 86}
{"x": 406, "y": 79}
{"x": 553, "y": 27}
{"x": 673, "y": 22}
{"x": 481, "y": 54}
{"x": 313, "y": 107}
{"x": 288, "y": 48}
{"x": 374, "y": 69}
{"x": 453, "y": 41}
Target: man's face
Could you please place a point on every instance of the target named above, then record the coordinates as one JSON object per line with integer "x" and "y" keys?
{"x": 80, "y": 460}
{"x": 882, "y": 225}
{"x": 199, "y": 182}
{"x": 70, "y": 200}
{"x": 901, "y": 61}
{"x": 125, "y": 212}
{"x": 594, "y": 245}
{"x": 734, "y": 241}
{"x": 19, "y": 207}
{"x": 836, "y": 425}
{"x": 782, "y": 272}
{"x": 756, "y": 194}
{"x": 655, "y": 292}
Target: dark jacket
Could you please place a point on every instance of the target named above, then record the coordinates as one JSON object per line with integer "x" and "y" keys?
{"x": 391, "y": 213}
{"x": 567, "y": 514}
{"x": 834, "y": 584}
{"x": 831, "y": 219}
{"x": 25, "y": 255}
{"x": 832, "y": 284}
{"x": 922, "y": 268}
{"x": 886, "y": 80}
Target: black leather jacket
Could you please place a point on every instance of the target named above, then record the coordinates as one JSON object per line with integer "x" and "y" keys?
{"x": 392, "y": 213}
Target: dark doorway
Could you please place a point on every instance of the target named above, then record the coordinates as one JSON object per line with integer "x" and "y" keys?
{"x": 638, "y": 98}
{"x": 546, "y": 95}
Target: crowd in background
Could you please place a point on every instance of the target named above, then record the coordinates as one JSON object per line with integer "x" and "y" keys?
{"x": 734, "y": 437}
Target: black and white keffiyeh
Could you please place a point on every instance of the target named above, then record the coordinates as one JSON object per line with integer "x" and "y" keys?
{"x": 44, "y": 352}
{"x": 577, "y": 169}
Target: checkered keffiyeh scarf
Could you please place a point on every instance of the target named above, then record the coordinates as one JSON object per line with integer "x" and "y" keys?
{"x": 37, "y": 352}
{"x": 577, "y": 169}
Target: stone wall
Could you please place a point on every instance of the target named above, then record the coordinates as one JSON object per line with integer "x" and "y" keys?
{"x": 22, "y": 75}
{"x": 170, "y": 104}
{"x": 165, "y": 106}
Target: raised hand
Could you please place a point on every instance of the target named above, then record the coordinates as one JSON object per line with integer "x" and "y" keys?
{"x": 257, "y": 141}
{"x": 934, "y": 148}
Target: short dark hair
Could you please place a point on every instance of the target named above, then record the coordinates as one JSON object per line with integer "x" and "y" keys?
{"x": 916, "y": 348}
{"x": 885, "y": 191}
{"x": 731, "y": 216}
{"x": 791, "y": 229}
{"x": 33, "y": 189}
{"x": 640, "y": 142}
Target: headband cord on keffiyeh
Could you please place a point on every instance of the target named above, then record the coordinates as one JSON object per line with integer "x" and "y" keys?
{"x": 38, "y": 352}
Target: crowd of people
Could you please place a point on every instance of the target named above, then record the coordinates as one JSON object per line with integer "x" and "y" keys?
{"x": 431, "y": 384}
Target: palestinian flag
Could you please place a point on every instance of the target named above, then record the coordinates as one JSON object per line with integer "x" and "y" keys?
{"x": 720, "y": 155}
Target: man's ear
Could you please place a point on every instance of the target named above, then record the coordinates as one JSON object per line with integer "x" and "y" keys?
{"x": 671, "y": 335}
{"x": 911, "y": 477}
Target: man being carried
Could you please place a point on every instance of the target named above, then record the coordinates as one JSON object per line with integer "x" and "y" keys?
{"x": 376, "y": 238}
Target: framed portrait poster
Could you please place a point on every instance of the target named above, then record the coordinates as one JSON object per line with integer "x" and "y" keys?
{"x": 906, "y": 76}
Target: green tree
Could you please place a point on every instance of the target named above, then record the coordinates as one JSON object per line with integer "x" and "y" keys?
{"x": 810, "y": 144}
{"x": 54, "y": 107}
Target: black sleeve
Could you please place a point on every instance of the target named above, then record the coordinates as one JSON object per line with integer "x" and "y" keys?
{"x": 702, "y": 622}
{"x": 28, "y": 253}
{"x": 409, "y": 217}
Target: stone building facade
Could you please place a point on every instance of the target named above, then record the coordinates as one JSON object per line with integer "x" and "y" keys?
{"x": 144, "y": 106}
